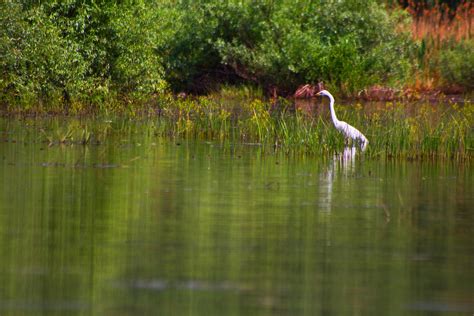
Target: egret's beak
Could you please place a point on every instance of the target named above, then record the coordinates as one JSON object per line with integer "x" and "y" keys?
{"x": 318, "y": 94}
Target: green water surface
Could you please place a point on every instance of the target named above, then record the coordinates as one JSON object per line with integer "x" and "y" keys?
{"x": 139, "y": 225}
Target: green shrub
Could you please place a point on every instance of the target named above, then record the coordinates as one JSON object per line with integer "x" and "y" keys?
{"x": 38, "y": 63}
{"x": 66, "y": 51}
{"x": 456, "y": 64}
{"x": 347, "y": 44}
{"x": 92, "y": 51}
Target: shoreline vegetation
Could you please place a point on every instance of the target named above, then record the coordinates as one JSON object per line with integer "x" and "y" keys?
{"x": 229, "y": 70}
{"x": 60, "y": 53}
{"x": 414, "y": 131}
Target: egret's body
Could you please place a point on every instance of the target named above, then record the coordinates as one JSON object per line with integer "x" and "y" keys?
{"x": 349, "y": 132}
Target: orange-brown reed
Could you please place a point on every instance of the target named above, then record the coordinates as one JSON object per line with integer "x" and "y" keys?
{"x": 437, "y": 27}
{"x": 442, "y": 23}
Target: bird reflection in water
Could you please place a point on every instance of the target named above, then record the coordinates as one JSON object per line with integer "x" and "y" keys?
{"x": 343, "y": 162}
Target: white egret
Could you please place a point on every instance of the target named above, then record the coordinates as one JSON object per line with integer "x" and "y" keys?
{"x": 349, "y": 132}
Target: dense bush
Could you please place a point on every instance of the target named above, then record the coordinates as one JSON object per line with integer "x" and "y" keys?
{"x": 66, "y": 51}
{"x": 347, "y": 44}
{"x": 36, "y": 61}
{"x": 60, "y": 52}
{"x": 457, "y": 64}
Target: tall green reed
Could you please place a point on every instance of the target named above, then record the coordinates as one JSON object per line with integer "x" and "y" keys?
{"x": 393, "y": 129}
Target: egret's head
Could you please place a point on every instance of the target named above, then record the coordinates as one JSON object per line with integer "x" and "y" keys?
{"x": 323, "y": 93}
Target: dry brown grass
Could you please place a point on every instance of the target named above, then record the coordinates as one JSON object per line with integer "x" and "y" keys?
{"x": 441, "y": 24}
{"x": 437, "y": 28}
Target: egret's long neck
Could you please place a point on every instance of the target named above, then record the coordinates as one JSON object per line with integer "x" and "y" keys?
{"x": 333, "y": 113}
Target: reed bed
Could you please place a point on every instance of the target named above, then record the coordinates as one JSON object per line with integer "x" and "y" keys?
{"x": 441, "y": 23}
{"x": 441, "y": 32}
{"x": 394, "y": 129}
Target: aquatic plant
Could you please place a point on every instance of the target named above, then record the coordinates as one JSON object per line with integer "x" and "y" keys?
{"x": 74, "y": 131}
{"x": 395, "y": 129}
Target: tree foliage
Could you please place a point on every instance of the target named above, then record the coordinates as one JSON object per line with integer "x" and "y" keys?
{"x": 347, "y": 44}
{"x": 457, "y": 64}
{"x": 61, "y": 51}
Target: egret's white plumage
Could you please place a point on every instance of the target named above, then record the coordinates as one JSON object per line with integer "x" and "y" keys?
{"x": 349, "y": 132}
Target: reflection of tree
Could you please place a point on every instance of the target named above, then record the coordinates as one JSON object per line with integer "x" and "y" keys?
{"x": 56, "y": 222}
{"x": 52, "y": 210}
{"x": 201, "y": 229}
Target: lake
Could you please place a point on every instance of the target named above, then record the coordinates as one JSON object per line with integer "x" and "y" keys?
{"x": 135, "y": 224}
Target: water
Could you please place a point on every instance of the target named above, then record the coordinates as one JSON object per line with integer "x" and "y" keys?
{"x": 138, "y": 225}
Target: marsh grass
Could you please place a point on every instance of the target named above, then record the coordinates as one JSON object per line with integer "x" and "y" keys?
{"x": 445, "y": 40}
{"x": 73, "y": 131}
{"x": 394, "y": 129}
{"x": 414, "y": 131}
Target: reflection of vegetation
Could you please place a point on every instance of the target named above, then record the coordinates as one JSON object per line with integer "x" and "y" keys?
{"x": 205, "y": 230}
